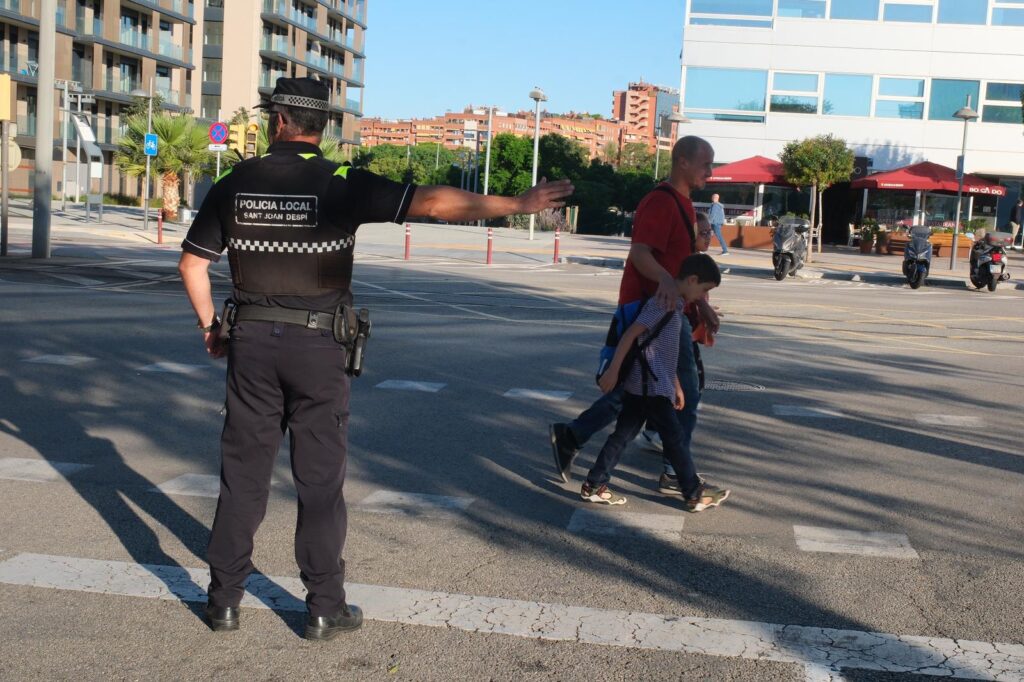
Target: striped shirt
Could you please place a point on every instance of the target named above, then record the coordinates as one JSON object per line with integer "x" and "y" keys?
{"x": 662, "y": 355}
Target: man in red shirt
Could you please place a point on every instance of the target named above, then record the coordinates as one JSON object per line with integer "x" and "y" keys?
{"x": 663, "y": 236}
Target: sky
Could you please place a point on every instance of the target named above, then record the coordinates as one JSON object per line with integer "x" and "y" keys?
{"x": 425, "y": 58}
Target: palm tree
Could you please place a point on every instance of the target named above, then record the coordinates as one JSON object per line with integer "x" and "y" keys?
{"x": 183, "y": 149}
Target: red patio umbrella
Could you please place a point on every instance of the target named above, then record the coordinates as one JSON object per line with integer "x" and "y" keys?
{"x": 929, "y": 177}
{"x": 756, "y": 170}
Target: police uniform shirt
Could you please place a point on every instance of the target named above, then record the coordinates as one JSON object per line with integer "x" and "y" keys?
{"x": 288, "y": 220}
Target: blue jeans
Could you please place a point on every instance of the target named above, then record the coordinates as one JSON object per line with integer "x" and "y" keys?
{"x": 718, "y": 235}
{"x": 606, "y": 409}
{"x": 657, "y": 412}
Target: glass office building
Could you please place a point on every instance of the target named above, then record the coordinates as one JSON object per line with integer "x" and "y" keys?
{"x": 885, "y": 75}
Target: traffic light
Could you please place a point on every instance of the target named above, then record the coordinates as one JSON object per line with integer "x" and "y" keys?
{"x": 251, "y": 134}
{"x": 236, "y": 137}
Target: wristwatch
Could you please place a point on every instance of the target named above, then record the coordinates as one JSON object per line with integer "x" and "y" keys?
{"x": 207, "y": 328}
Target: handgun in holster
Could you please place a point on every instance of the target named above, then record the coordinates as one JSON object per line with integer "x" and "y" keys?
{"x": 227, "y": 318}
{"x": 352, "y": 329}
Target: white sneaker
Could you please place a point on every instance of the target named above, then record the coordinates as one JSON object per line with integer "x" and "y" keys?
{"x": 652, "y": 440}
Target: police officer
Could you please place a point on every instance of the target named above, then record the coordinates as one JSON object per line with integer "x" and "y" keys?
{"x": 288, "y": 221}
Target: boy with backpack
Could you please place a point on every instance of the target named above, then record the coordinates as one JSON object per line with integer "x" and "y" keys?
{"x": 644, "y": 364}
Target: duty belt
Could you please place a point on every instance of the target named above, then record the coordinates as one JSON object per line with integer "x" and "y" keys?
{"x": 307, "y": 318}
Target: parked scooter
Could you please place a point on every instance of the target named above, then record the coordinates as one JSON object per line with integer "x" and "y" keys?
{"x": 988, "y": 261}
{"x": 789, "y": 246}
{"x": 917, "y": 256}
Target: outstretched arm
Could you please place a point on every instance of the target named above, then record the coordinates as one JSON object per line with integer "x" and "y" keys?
{"x": 449, "y": 203}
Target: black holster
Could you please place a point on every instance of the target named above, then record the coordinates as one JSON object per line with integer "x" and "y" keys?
{"x": 352, "y": 329}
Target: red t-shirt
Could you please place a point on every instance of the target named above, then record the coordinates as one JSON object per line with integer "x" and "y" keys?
{"x": 658, "y": 224}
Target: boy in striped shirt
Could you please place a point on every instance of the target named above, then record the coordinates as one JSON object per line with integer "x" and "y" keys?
{"x": 652, "y": 391}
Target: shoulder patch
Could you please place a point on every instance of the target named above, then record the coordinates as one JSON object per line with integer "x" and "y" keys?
{"x": 223, "y": 175}
{"x": 309, "y": 156}
{"x": 343, "y": 171}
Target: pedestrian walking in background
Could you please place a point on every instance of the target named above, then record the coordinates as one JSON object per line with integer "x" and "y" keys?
{"x": 716, "y": 214}
{"x": 1016, "y": 220}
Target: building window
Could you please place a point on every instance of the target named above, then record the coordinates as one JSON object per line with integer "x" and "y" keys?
{"x": 1003, "y": 103}
{"x": 1006, "y": 13}
{"x": 794, "y": 93}
{"x": 948, "y": 96}
{"x": 209, "y": 106}
{"x": 899, "y": 11}
{"x": 726, "y": 90}
{"x": 213, "y": 33}
{"x": 855, "y": 9}
{"x": 732, "y": 12}
{"x": 847, "y": 95}
{"x": 806, "y": 9}
{"x": 963, "y": 12}
{"x": 212, "y": 70}
{"x": 900, "y": 98}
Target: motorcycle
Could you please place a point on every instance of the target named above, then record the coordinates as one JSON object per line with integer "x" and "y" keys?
{"x": 988, "y": 262}
{"x": 789, "y": 246}
{"x": 917, "y": 256}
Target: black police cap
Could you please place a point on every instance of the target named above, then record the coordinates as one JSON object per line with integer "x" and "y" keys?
{"x": 306, "y": 93}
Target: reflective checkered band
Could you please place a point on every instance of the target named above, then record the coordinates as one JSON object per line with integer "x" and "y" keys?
{"x": 300, "y": 101}
{"x": 291, "y": 247}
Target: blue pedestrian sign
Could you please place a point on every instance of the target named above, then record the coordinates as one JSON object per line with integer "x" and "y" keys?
{"x": 151, "y": 144}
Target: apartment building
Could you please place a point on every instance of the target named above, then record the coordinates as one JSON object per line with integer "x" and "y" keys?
{"x": 885, "y": 75}
{"x": 644, "y": 108}
{"x": 248, "y": 45}
{"x": 462, "y": 129}
{"x": 106, "y": 49}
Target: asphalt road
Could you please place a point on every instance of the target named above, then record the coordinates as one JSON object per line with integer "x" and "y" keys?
{"x": 862, "y": 408}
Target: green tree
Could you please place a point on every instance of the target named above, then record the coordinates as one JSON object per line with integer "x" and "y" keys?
{"x": 560, "y": 157}
{"x": 511, "y": 164}
{"x": 241, "y": 115}
{"x": 819, "y": 162}
{"x": 182, "y": 150}
{"x": 635, "y": 156}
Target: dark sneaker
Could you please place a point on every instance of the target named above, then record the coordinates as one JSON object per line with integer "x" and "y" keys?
{"x": 667, "y": 485}
{"x": 563, "y": 447}
{"x": 706, "y": 497}
{"x": 601, "y": 495}
{"x": 327, "y": 627}
{"x": 221, "y": 619}
{"x": 652, "y": 440}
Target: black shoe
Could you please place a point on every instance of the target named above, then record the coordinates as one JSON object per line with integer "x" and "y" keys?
{"x": 563, "y": 447}
{"x": 327, "y": 627}
{"x": 667, "y": 485}
{"x": 221, "y": 619}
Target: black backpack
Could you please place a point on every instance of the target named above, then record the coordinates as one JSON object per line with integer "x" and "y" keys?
{"x": 636, "y": 354}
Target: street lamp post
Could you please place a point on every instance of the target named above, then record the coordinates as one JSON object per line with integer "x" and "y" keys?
{"x": 538, "y": 96}
{"x": 674, "y": 117}
{"x": 966, "y": 114}
{"x": 149, "y": 130}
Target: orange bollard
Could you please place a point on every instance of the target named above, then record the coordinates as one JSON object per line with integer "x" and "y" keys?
{"x": 557, "y": 239}
{"x": 160, "y": 227}
{"x": 490, "y": 245}
{"x": 408, "y": 241}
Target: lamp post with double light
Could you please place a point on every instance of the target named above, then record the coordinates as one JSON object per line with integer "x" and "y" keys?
{"x": 538, "y": 96}
{"x": 674, "y": 117}
{"x": 966, "y": 114}
{"x": 139, "y": 92}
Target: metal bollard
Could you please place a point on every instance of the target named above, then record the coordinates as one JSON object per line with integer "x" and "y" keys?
{"x": 408, "y": 241}
{"x": 490, "y": 245}
{"x": 160, "y": 227}
{"x": 557, "y": 239}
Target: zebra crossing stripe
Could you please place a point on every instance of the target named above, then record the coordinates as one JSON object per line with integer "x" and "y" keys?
{"x": 534, "y": 394}
{"x": 822, "y": 651}
{"x": 196, "y": 485}
{"x": 666, "y": 527}
{"x": 838, "y": 541}
{"x": 413, "y": 504}
{"x": 65, "y": 360}
{"x": 404, "y": 385}
{"x": 37, "y": 470}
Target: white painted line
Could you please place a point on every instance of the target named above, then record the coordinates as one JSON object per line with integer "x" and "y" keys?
{"x": 809, "y": 412}
{"x": 197, "y": 485}
{"x": 533, "y": 394}
{"x": 413, "y": 504}
{"x": 172, "y": 368}
{"x": 950, "y": 420}
{"x": 76, "y": 279}
{"x": 818, "y": 649}
{"x": 892, "y": 545}
{"x": 37, "y": 470}
{"x": 403, "y": 385}
{"x": 67, "y": 360}
{"x": 614, "y": 522}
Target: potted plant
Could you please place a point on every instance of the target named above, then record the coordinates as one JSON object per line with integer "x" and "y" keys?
{"x": 868, "y": 229}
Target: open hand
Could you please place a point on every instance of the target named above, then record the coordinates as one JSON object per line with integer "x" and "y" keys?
{"x": 545, "y": 195}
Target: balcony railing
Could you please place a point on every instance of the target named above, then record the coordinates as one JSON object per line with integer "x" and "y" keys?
{"x": 89, "y": 28}
{"x": 318, "y": 60}
{"x": 276, "y": 43}
{"x": 169, "y": 96}
{"x": 357, "y": 70}
{"x": 169, "y": 49}
{"x": 26, "y": 124}
{"x": 136, "y": 39}
{"x": 83, "y": 74}
{"x": 352, "y": 104}
{"x": 268, "y": 79}
{"x": 114, "y": 83}
{"x": 12, "y": 5}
